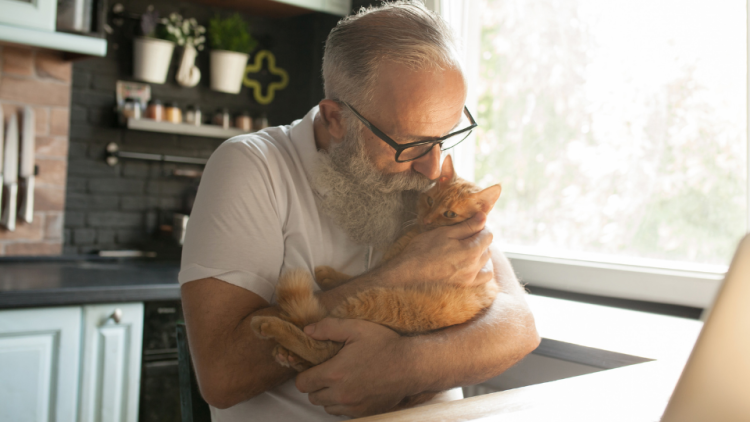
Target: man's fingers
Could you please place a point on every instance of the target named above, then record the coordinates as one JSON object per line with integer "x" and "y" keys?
{"x": 324, "y": 397}
{"x": 334, "y": 329}
{"x": 468, "y": 227}
{"x": 311, "y": 380}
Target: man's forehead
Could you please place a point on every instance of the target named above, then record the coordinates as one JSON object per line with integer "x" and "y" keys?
{"x": 411, "y": 100}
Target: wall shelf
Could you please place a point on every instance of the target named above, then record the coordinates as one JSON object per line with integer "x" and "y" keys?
{"x": 209, "y": 131}
{"x": 62, "y": 41}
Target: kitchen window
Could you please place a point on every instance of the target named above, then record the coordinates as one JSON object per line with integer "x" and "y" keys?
{"x": 618, "y": 130}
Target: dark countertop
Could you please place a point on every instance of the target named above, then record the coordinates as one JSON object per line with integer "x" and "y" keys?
{"x": 58, "y": 282}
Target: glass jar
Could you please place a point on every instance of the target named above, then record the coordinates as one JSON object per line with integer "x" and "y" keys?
{"x": 261, "y": 122}
{"x": 222, "y": 118}
{"x": 172, "y": 113}
{"x": 244, "y": 121}
{"x": 131, "y": 109}
{"x": 155, "y": 110}
{"x": 193, "y": 115}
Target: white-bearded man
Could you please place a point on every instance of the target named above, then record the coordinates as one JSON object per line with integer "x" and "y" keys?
{"x": 331, "y": 189}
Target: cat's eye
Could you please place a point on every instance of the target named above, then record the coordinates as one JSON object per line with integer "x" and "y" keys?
{"x": 449, "y": 214}
{"x": 430, "y": 201}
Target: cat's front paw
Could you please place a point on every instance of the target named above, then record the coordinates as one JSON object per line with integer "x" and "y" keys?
{"x": 290, "y": 360}
{"x": 261, "y": 326}
{"x": 325, "y": 275}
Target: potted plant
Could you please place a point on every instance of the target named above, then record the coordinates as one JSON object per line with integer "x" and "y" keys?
{"x": 231, "y": 45}
{"x": 152, "y": 52}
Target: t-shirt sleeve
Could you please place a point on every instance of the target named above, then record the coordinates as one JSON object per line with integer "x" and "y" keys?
{"x": 234, "y": 232}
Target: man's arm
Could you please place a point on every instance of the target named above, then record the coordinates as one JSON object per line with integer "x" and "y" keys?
{"x": 377, "y": 368}
{"x": 233, "y": 365}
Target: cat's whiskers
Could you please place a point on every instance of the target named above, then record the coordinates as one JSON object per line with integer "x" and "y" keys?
{"x": 409, "y": 223}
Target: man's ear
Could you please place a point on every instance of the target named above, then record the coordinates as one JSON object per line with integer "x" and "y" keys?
{"x": 331, "y": 112}
{"x": 447, "y": 174}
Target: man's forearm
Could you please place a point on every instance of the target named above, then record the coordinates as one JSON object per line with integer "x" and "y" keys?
{"x": 497, "y": 338}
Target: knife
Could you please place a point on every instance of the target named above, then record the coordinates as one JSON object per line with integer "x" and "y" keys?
{"x": 2, "y": 150}
{"x": 10, "y": 172}
{"x": 26, "y": 172}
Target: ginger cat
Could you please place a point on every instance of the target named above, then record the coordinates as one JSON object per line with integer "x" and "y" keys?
{"x": 408, "y": 310}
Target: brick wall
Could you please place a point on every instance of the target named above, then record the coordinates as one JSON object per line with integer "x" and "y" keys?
{"x": 119, "y": 207}
{"x": 41, "y": 79}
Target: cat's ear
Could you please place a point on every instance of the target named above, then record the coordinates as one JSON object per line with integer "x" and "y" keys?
{"x": 447, "y": 174}
{"x": 487, "y": 198}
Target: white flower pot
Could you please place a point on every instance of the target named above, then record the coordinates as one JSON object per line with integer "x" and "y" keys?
{"x": 151, "y": 58}
{"x": 227, "y": 70}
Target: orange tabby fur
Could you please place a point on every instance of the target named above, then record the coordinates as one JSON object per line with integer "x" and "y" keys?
{"x": 408, "y": 310}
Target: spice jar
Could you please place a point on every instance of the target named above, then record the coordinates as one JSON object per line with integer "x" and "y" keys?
{"x": 131, "y": 109}
{"x": 155, "y": 110}
{"x": 172, "y": 113}
{"x": 244, "y": 121}
{"x": 261, "y": 122}
{"x": 193, "y": 115}
{"x": 222, "y": 118}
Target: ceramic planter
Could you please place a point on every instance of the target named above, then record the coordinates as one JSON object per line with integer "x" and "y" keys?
{"x": 227, "y": 70}
{"x": 151, "y": 58}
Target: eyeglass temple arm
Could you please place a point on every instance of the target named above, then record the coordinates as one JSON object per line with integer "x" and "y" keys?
{"x": 372, "y": 128}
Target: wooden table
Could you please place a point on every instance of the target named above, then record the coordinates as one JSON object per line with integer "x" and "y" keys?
{"x": 633, "y": 393}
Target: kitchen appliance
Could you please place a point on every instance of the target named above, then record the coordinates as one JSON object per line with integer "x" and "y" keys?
{"x": 74, "y": 15}
{"x": 2, "y": 150}
{"x": 179, "y": 227}
{"x": 26, "y": 171}
{"x": 160, "y": 382}
{"x": 10, "y": 174}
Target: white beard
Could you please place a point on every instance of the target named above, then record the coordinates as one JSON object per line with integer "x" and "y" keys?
{"x": 371, "y": 207}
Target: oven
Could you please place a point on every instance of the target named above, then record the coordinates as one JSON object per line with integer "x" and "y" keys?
{"x": 160, "y": 383}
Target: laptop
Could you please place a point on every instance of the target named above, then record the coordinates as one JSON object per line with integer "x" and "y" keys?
{"x": 715, "y": 384}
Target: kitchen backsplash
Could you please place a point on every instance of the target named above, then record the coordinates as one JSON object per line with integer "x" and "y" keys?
{"x": 40, "y": 79}
{"x": 122, "y": 207}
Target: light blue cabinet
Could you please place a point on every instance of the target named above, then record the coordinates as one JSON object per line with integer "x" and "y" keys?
{"x": 111, "y": 364}
{"x": 37, "y": 14}
{"x": 39, "y": 364}
{"x": 71, "y": 364}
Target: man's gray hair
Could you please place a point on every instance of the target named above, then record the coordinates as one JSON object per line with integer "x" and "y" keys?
{"x": 403, "y": 32}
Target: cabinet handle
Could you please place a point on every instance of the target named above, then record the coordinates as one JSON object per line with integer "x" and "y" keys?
{"x": 116, "y": 315}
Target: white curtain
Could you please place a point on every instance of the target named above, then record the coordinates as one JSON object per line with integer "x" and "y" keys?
{"x": 463, "y": 17}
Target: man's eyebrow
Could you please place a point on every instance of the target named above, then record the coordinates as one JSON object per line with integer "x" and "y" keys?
{"x": 417, "y": 138}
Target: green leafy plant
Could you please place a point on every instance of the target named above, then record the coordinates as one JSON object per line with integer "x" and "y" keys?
{"x": 232, "y": 34}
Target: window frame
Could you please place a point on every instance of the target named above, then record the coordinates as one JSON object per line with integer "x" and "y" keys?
{"x": 619, "y": 277}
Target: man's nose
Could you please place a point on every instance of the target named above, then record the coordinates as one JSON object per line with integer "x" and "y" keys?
{"x": 429, "y": 164}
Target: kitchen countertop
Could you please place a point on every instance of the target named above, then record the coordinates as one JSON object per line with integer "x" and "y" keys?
{"x": 59, "y": 282}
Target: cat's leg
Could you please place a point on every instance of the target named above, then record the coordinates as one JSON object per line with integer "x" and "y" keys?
{"x": 418, "y": 308}
{"x": 293, "y": 339}
{"x": 328, "y": 278}
{"x": 290, "y": 360}
{"x": 400, "y": 244}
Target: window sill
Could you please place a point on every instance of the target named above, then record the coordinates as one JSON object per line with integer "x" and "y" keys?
{"x": 695, "y": 287}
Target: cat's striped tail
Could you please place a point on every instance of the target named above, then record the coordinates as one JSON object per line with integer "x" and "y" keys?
{"x": 294, "y": 294}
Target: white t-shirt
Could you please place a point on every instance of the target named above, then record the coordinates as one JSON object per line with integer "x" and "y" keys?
{"x": 256, "y": 216}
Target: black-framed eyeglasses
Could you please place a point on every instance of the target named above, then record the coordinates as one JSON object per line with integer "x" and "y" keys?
{"x": 415, "y": 150}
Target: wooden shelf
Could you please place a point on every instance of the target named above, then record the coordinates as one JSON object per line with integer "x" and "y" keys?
{"x": 80, "y": 44}
{"x": 283, "y": 8}
{"x": 209, "y": 131}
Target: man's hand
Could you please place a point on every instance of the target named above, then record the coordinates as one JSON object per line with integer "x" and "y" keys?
{"x": 360, "y": 379}
{"x": 457, "y": 255}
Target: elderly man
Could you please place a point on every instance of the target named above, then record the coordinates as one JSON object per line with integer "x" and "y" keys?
{"x": 335, "y": 188}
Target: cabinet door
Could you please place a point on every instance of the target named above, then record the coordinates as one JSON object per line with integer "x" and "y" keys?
{"x": 111, "y": 366}
{"x": 39, "y": 356}
{"x": 38, "y": 14}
